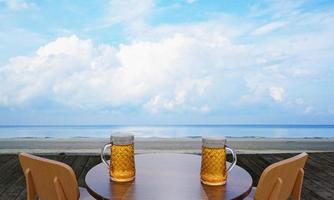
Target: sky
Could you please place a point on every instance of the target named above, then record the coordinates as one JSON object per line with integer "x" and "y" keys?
{"x": 166, "y": 62}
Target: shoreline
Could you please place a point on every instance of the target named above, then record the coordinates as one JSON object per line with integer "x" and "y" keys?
{"x": 84, "y": 145}
{"x": 154, "y": 137}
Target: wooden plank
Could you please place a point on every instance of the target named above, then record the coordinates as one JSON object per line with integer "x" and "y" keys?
{"x": 79, "y": 165}
{"x": 315, "y": 180}
{"x": 318, "y": 175}
{"x": 310, "y": 188}
{"x": 245, "y": 163}
{"x": 9, "y": 165}
{"x": 310, "y": 195}
{"x": 10, "y": 168}
{"x": 5, "y": 167}
{"x": 6, "y": 157}
{"x": 58, "y": 157}
{"x": 69, "y": 159}
{"x": 323, "y": 161}
{"x": 10, "y": 171}
{"x": 22, "y": 195}
{"x": 92, "y": 161}
{"x": 270, "y": 158}
{"x": 328, "y": 156}
{"x": 15, "y": 189}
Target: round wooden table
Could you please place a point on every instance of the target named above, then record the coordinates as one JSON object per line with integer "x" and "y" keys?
{"x": 167, "y": 176}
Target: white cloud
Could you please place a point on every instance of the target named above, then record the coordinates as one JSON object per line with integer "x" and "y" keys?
{"x": 27, "y": 77}
{"x": 131, "y": 13}
{"x": 157, "y": 103}
{"x": 273, "y": 26}
{"x": 74, "y": 72}
{"x": 277, "y": 9}
{"x": 197, "y": 67}
{"x": 308, "y": 109}
{"x": 277, "y": 93}
{"x": 204, "y": 109}
{"x": 67, "y": 46}
{"x": 300, "y": 104}
{"x": 179, "y": 99}
{"x": 16, "y": 4}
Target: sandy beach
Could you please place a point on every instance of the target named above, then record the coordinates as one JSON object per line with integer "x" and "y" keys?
{"x": 155, "y": 145}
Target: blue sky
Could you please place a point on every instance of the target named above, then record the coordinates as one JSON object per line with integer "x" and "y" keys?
{"x": 166, "y": 62}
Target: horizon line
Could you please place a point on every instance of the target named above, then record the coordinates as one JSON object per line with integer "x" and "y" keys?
{"x": 187, "y": 124}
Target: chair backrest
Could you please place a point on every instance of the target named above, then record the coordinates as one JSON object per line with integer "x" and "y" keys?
{"x": 283, "y": 179}
{"x": 48, "y": 179}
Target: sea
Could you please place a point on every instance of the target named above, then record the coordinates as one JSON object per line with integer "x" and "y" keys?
{"x": 167, "y": 131}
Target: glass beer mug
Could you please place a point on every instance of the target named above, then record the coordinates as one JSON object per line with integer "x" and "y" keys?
{"x": 213, "y": 165}
{"x": 122, "y": 162}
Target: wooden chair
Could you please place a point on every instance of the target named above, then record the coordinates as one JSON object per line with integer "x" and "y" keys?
{"x": 281, "y": 180}
{"x": 50, "y": 180}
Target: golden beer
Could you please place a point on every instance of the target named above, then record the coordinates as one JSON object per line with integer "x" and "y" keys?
{"x": 213, "y": 165}
{"x": 122, "y": 162}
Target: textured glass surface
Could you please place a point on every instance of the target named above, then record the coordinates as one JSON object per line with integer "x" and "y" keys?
{"x": 122, "y": 167}
{"x": 213, "y": 166}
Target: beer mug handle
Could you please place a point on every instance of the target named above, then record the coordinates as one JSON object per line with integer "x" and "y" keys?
{"x": 102, "y": 154}
{"x": 234, "y": 159}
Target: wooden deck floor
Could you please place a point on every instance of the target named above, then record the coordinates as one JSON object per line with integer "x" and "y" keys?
{"x": 318, "y": 182}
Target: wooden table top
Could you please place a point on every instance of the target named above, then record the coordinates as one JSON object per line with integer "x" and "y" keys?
{"x": 167, "y": 176}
